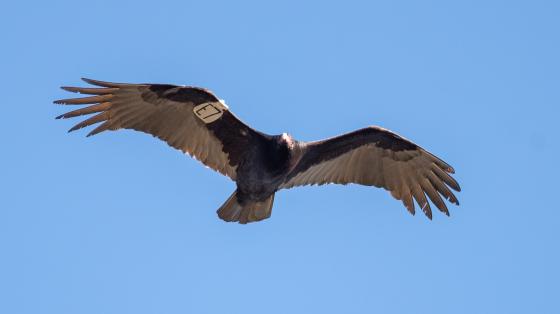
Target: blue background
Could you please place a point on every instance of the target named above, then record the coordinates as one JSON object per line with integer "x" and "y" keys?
{"x": 120, "y": 223}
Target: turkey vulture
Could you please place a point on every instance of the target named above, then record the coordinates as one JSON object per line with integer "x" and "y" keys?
{"x": 195, "y": 121}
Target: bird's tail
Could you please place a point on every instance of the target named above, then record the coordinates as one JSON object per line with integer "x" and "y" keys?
{"x": 250, "y": 211}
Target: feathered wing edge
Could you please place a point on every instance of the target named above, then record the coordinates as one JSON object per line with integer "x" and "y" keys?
{"x": 374, "y": 156}
{"x": 166, "y": 112}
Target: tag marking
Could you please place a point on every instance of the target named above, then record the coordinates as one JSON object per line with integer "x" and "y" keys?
{"x": 210, "y": 111}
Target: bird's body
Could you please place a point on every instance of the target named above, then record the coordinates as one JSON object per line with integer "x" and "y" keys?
{"x": 257, "y": 180}
{"x": 196, "y": 122}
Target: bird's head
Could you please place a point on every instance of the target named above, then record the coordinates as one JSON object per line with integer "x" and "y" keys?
{"x": 286, "y": 139}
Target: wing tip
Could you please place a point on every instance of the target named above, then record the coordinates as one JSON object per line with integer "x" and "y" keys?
{"x": 427, "y": 210}
{"x": 102, "y": 83}
{"x": 75, "y": 128}
{"x": 455, "y": 186}
{"x": 411, "y": 211}
{"x": 69, "y": 89}
{"x": 96, "y": 82}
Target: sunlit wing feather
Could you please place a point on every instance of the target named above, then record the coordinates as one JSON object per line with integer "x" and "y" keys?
{"x": 166, "y": 112}
{"x": 377, "y": 157}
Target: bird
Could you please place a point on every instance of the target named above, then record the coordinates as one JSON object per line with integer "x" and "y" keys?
{"x": 198, "y": 123}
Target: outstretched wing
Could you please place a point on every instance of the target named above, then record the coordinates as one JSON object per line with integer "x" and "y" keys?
{"x": 378, "y": 157}
{"x": 189, "y": 119}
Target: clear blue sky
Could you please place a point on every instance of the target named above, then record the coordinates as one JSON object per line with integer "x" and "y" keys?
{"x": 120, "y": 223}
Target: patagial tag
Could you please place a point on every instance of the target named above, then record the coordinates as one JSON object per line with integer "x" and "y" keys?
{"x": 209, "y": 112}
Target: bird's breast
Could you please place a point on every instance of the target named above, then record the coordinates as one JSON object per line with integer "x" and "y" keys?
{"x": 264, "y": 169}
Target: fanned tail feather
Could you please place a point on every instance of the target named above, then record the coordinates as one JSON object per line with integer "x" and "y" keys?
{"x": 250, "y": 211}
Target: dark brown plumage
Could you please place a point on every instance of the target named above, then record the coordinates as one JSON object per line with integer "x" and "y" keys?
{"x": 196, "y": 122}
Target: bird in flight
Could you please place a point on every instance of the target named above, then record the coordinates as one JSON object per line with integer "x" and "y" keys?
{"x": 196, "y": 122}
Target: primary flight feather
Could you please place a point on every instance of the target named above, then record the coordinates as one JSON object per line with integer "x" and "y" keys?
{"x": 196, "y": 122}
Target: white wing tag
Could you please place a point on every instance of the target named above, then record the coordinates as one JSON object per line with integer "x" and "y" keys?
{"x": 209, "y": 112}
